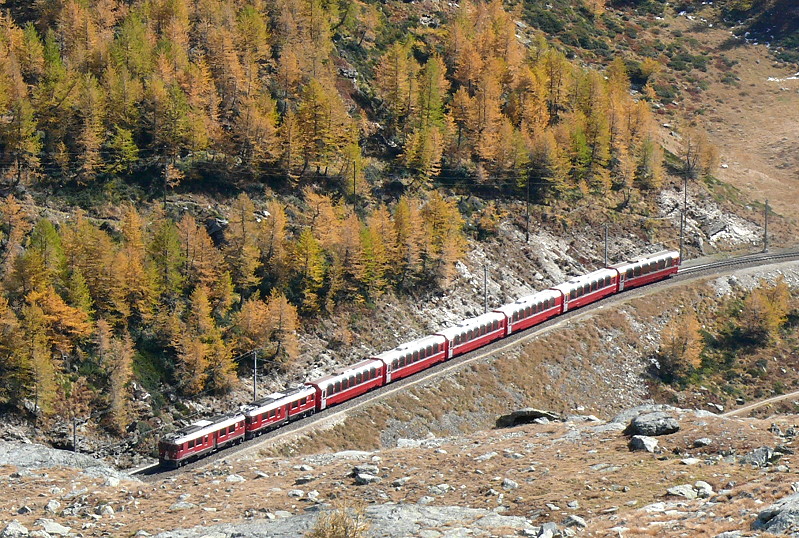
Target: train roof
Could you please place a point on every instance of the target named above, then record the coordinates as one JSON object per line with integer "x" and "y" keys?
{"x": 347, "y": 371}
{"x": 645, "y": 258}
{"x": 582, "y": 280}
{"x": 527, "y": 300}
{"x": 413, "y": 345}
{"x": 202, "y": 428}
{"x": 465, "y": 325}
{"x": 277, "y": 399}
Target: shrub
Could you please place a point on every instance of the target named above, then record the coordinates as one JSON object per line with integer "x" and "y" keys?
{"x": 341, "y": 522}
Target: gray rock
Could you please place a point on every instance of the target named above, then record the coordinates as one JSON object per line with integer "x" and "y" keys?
{"x": 312, "y": 495}
{"x": 781, "y": 516}
{"x": 365, "y": 478}
{"x": 629, "y": 414}
{"x": 304, "y": 479}
{"x": 14, "y": 529}
{"x": 399, "y": 482}
{"x": 296, "y": 493}
{"x": 508, "y": 484}
{"x": 51, "y": 527}
{"x": 684, "y": 490}
{"x": 39, "y": 534}
{"x": 703, "y": 489}
{"x": 52, "y": 506}
{"x": 427, "y": 499}
{"x": 485, "y": 457}
{"x": 365, "y": 469}
{"x": 729, "y": 534}
{"x": 702, "y": 442}
{"x": 759, "y": 457}
{"x": 574, "y": 505}
{"x": 643, "y": 442}
{"x": 527, "y": 415}
{"x": 440, "y": 489}
{"x": 24, "y": 510}
{"x": 182, "y": 505}
{"x": 106, "y": 510}
{"x": 654, "y": 424}
{"x": 235, "y": 479}
{"x": 112, "y": 482}
{"x": 574, "y": 521}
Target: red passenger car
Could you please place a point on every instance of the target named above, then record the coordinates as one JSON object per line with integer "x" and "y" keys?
{"x": 278, "y": 408}
{"x": 411, "y": 357}
{"x": 475, "y": 332}
{"x": 532, "y": 310}
{"x": 348, "y": 383}
{"x": 200, "y": 438}
{"x": 647, "y": 269}
{"x": 586, "y": 289}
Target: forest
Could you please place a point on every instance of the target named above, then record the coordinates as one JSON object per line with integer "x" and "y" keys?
{"x": 334, "y": 129}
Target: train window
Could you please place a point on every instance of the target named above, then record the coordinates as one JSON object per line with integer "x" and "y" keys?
{"x": 586, "y": 288}
{"x": 630, "y": 273}
{"x": 373, "y": 372}
{"x": 435, "y": 347}
{"x": 358, "y": 378}
{"x": 429, "y": 351}
{"x": 304, "y": 401}
{"x": 402, "y": 361}
{"x": 394, "y": 364}
{"x": 352, "y": 381}
{"x": 338, "y": 386}
{"x": 415, "y": 356}
{"x": 607, "y": 280}
{"x": 496, "y": 324}
{"x": 637, "y": 271}
{"x": 457, "y": 339}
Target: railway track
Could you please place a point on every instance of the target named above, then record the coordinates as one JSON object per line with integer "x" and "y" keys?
{"x": 688, "y": 272}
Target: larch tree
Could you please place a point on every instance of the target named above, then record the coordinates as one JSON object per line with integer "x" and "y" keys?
{"x": 681, "y": 346}
{"x": 395, "y": 81}
{"x": 309, "y": 260}
{"x": 165, "y": 252}
{"x": 281, "y": 322}
{"x": 409, "y": 228}
{"x": 242, "y": 253}
{"x": 40, "y": 380}
{"x": 765, "y": 310}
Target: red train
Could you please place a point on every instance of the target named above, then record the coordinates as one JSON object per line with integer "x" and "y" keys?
{"x": 206, "y": 436}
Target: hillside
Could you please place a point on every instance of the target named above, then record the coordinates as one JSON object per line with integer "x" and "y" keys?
{"x": 194, "y": 181}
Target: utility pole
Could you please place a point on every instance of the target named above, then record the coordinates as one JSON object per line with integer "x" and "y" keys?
{"x": 527, "y": 213}
{"x": 683, "y": 216}
{"x": 255, "y": 375}
{"x": 765, "y": 229}
{"x": 485, "y": 288}
{"x": 606, "y": 244}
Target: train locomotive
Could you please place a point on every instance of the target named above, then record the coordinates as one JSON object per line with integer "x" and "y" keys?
{"x": 277, "y": 409}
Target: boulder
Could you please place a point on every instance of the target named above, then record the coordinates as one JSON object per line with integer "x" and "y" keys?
{"x": 235, "y": 479}
{"x": 759, "y": 457}
{"x": 52, "y": 506}
{"x": 363, "y": 479}
{"x": 574, "y": 521}
{"x": 15, "y": 529}
{"x": 683, "y": 490}
{"x": 780, "y": 516}
{"x": 643, "y": 442}
{"x": 702, "y": 442}
{"x": 528, "y": 415}
{"x": 703, "y": 489}
{"x": 654, "y": 424}
{"x": 366, "y": 468}
{"x": 51, "y": 527}
{"x": 508, "y": 484}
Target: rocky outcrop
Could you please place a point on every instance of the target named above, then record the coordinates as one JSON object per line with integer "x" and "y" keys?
{"x": 34, "y": 456}
{"x": 385, "y": 520}
{"x": 781, "y": 517}
{"x": 527, "y": 415}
